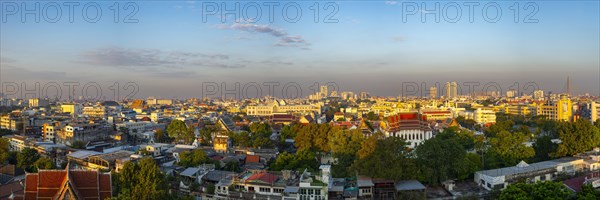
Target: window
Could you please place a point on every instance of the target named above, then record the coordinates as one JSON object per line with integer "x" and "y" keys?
{"x": 262, "y": 189}
{"x": 278, "y": 190}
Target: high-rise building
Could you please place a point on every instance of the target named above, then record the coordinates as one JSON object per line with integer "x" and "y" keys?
{"x": 364, "y": 95}
{"x": 560, "y": 110}
{"x": 538, "y": 94}
{"x": 433, "y": 92}
{"x": 324, "y": 92}
{"x": 511, "y": 93}
{"x": 37, "y": 102}
{"x": 451, "y": 90}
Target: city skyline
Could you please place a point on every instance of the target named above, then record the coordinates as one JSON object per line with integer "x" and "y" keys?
{"x": 174, "y": 47}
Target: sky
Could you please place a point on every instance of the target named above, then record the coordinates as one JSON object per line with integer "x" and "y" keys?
{"x": 175, "y": 48}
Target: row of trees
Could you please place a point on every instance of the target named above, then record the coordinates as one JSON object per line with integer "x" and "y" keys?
{"x": 506, "y": 139}
{"x": 258, "y": 137}
{"x": 547, "y": 190}
{"x": 28, "y": 159}
{"x": 438, "y": 159}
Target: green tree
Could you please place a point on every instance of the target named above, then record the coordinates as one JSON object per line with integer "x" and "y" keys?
{"x": 303, "y": 159}
{"x": 537, "y": 191}
{"x": 372, "y": 116}
{"x": 232, "y": 166}
{"x": 314, "y": 137}
{"x": 262, "y": 142}
{"x": 210, "y": 189}
{"x": 588, "y": 193}
{"x": 440, "y": 159}
{"x": 345, "y": 141}
{"x": 44, "y": 163}
{"x": 26, "y": 158}
{"x": 510, "y": 147}
{"x": 193, "y": 158}
{"x": 260, "y": 128}
{"x": 288, "y": 132}
{"x": 390, "y": 160}
{"x": 206, "y": 134}
{"x": 161, "y": 136}
{"x": 544, "y": 149}
{"x": 4, "y": 150}
{"x": 142, "y": 180}
{"x": 520, "y": 191}
{"x": 178, "y": 130}
{"x": 577, "y": 137}
{"x": 241, "y": 139}
{"x": 78, "y": 145}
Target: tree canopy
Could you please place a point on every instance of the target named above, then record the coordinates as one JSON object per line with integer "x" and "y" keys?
{"x": 389, "y": 160}
{"x": 539, "y": 190}
{"x": 193, "y": 158}
{"x": 178, "y": 130}
{"x": 577, "y": 137}
{"x": 141, "y": 180}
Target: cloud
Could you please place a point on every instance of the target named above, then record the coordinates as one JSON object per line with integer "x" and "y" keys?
{"x": 7, "y": 60}
{"x": 398, "y": 39}
{"x": 150, "y": 58}
{"x": 176, "y": 74}
{"x": 391, "y": 3}
{"x": 257, "y": 28}
{"x": 285, "y": 39}
{"x": 14, "y": 73}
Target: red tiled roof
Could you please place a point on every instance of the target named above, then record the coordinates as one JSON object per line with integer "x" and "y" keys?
{"x": 407, "y": 121}
{"x": 11, "y": 188}
{"x": 264, "y": 177}
{"x": 252, "y": 159}
{"x": 87, "y": 184}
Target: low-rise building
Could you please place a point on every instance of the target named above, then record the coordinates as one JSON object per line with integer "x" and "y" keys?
{"x": 540, "y": 171}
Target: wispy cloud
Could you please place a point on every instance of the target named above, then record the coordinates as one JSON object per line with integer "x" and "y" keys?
{"x": 14, "y": 73}
{"x": 398, "y": 39}
{"x": 7, "y": 60}
{"x": 134, "y": 58}
{"x": 285, "y": 39}
{"x": 391, "y": 3}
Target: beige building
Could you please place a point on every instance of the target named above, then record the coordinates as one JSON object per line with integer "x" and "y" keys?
{"x": 279, "y": 106}
{"x": 82, "y": 132}
{"x": 9, "y": 122}
{"x": 37, "y": 102}
{"x": 94, "y": 111}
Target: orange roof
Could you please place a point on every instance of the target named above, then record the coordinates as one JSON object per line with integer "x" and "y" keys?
{"x": 252, "y": 159}
{"x": 264, "y": 177}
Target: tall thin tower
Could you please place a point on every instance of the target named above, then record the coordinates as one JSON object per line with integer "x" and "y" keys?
{"x": 568, "y": 86}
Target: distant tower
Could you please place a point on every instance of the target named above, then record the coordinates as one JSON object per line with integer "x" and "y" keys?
{"x": 324, "y": 92}
{"x": 433, "y": 92}
{"x": 568, "y": 86}
{"x": 538, "y": 94}
{"x": 451, "y": 90}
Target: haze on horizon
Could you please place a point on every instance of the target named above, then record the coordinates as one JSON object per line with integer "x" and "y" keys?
{"x": 171, "y": 50}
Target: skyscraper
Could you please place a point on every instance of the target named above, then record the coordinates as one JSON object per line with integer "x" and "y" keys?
{"x": 433, "y": 92}
{"x": 538, "y": 94}
{"x": 451, "y": 90}
{"x": 324, "y": 92}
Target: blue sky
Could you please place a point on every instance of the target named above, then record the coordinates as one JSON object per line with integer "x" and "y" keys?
{"x": 171, "y": 50}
